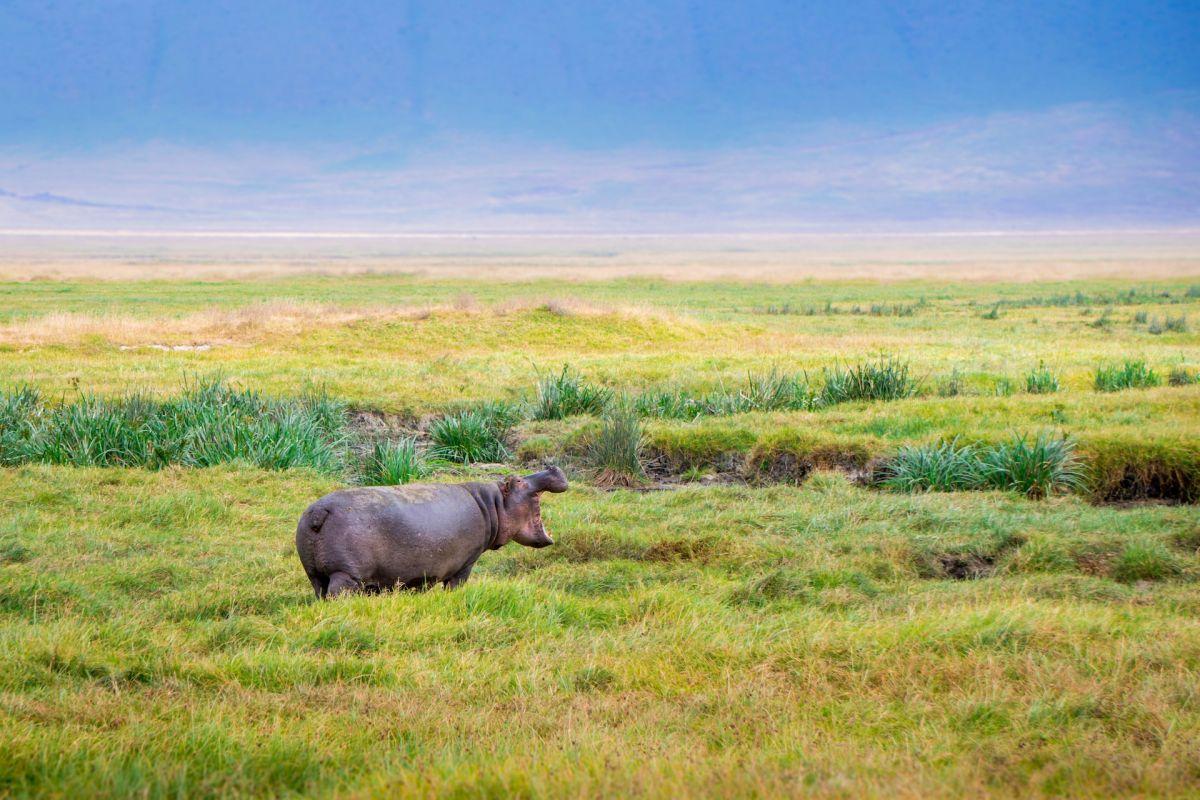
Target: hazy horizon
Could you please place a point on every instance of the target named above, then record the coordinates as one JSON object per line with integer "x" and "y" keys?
{"x": 685, "y": 118}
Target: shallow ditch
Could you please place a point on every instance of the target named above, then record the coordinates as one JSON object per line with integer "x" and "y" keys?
{"x": 1144, "y": 483}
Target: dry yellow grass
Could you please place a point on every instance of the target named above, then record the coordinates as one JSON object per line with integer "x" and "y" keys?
{"x": 279, "y": 319}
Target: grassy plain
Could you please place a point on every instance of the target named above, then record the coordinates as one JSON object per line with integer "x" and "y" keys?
{"x": 709, "y": 637}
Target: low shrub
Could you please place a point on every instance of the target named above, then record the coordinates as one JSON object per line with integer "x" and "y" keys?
{"x": 1003, "y": 387}
{"x": 1127, "y": 375}
{"x": 1168, "y": 325}
{"x": 567, "y": 394}
{"x": 1176, "y": 324}
{"x": 671, "y": 404}
{"x": 774, "y": 391}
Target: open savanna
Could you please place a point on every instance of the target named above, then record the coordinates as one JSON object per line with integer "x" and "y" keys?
{"x": 715, "y": 630}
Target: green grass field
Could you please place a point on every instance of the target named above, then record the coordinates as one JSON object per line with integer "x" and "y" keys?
{"x": 758, "y": 615}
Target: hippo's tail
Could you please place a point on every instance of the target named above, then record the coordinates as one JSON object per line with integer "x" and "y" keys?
{"x": 315, "y": 517}
{"x": 308, "y": 543}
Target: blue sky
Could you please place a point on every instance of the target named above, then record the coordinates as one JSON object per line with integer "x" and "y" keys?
{"x": 612, "y": 116}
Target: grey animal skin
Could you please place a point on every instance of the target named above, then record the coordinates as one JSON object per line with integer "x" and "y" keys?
{"x": 412, "y": 536}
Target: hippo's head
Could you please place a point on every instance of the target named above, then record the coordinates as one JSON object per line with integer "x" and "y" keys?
{"x": 523, "y": 509}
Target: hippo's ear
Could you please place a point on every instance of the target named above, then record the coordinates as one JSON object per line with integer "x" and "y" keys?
{"x": 550, "y": 479}
{"x": 511, "y": 484}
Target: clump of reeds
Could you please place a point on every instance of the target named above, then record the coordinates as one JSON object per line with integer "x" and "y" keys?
{"x": 888, "y": 378}
{"x": 1181, "y": 376}
{"x": 615, "y": 453}
{"x": 774, "y": 391}
{"x": 1041, "y": 381}
{"x": 566, "y": 394}
{"x": 1127, "y": 375}
{"x": 1033, "y": 467}
{"x": 391, "y": 463}
{"x": 476, "y": 435}
{"x": 209, "y": 424}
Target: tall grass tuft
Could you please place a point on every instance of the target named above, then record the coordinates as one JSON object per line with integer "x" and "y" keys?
{"x": 1041, "y": 381}
{"x": 209, "y": 424}
{"x": 774, "y": 391}
{"x": 888, "y": 378}
{"x": 19, "y": 411}
{"x": 952, "y": 385}
{"x": 1182, "y": 376}
{"x": 1128, "y": 375}
{"x": 1035, "y": 468}
{"x": 1003, "y": 387}
{"x": 1168, "y": 325}
{"x": 567, "y": 394}
{"x": 1032, "y": 467}
{"x": 938, "y": 467}
{"x": 477, "y": 435}
{"x": 616, "y": 451}
{"x": 673, "y": 403}
{"x": 395, "y": 462}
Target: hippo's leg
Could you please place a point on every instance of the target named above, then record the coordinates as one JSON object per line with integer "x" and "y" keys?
{"x": 458, "y": 578}
{"x": 340, "y": 582}
{"x": 319, "y": 583}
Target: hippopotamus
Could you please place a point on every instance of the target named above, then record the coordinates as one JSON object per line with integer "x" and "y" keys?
{"x": 416, "y": 535}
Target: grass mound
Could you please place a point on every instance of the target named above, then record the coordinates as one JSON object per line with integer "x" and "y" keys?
{"x": 1126, "y": 469}
{"x": 978, "y": 557}
{"x": 719, "y": 445}
{"x": 790, "y": 456}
